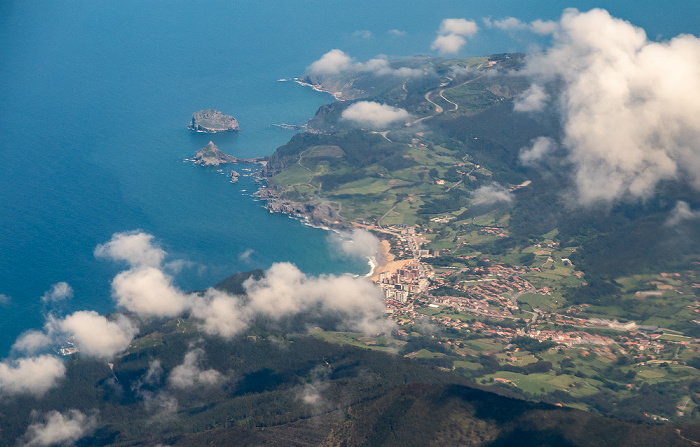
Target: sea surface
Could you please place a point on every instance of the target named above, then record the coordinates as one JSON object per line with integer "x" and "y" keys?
{"x": 95, "y": 98}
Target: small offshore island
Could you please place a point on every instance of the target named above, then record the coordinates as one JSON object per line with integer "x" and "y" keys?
{"x": 211, "y": 155}
{"x": 212, "y": 121}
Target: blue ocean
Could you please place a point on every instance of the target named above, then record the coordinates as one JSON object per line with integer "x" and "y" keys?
{"x": 95, "y": 98}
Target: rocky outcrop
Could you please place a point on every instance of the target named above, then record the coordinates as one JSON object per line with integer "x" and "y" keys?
{"x": 210, "y": 155}
{"x": 319, "y": 213}
{"x": 212, "y": 121}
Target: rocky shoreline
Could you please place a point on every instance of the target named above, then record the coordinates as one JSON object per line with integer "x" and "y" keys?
{"x": 318, "y": 214}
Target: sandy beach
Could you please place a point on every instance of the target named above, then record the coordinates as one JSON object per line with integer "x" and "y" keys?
{"x": 386, "y": 261}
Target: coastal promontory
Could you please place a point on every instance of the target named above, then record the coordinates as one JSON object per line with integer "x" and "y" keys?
{"x": 210, "y": 155}
{"x": 212, "y": 121}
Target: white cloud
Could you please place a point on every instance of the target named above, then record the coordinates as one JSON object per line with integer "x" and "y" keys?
{"x": 162, "y": 404}
{"x": 279, "y": 292}
{"x": 452, "y": 33}
{"x": 510, "y": 23}
{"x": 363, "y": 34}
{"x": 134, "y": 247}
{"x": 332, "y": 62}
{"x": 491, "y": 194}
{"x": 681, "y": 213}
{"x": 178, "y": 265}
{"x": 540, "y": 147}
{"x": 94, "y": 335}
{"x": 448, "y": 44}
{"x": 4, "y": 298}
{"x": 357, "y": 243}
{"x": 629, "y": 105}
{"x": 284, "y": 290}
{"x": 538, "y": 26}
{"x": 147, "y": 291}
{"x": 154, "y": 374}
{"x": 397, "y": 32}
{"x": 32, "y": 341}
{"x": 336, "y": 61}
{"x": 534, "y": 99}
{"x": 543, "y": 27}
{"x": 460, "y": 27}
{"x": 312, "y": 393}
{"x": 32, "y": 375}
{"x": 245, "y": 256}
{"x": 59, "y": 291}
{"x": 59, "y": 428}
{"x": 143, "y": 289}
{"x": 373, "y": 114}
{"x": 188, "y": 374}
{"x": 381, "y": 67}
{"x": 222, "y": 314}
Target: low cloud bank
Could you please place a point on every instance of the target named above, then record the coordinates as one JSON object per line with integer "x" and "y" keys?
{"x": 538, "y": 26}
{"x": 32, "y": 375}
{"x": 285, "y": 291}
{"x": 94, "y": 335}
{"x": 145, "y": 291}
{"x": 681, "y": 213}
{"x": 311, "y": 393}
{"x": 629, "y": 105}
{"x": 336, "y": 61}
{"x": 492, "y": 194}
{"x": 188, "y": 374}
{"x": 534, "y": 99}
{"x": 357, "y": 243}
{"x": 60, "y": 428}
{"x": 91, "y": 333}
{"x": 540, "y": 148}
{"x": 374, "y": 114}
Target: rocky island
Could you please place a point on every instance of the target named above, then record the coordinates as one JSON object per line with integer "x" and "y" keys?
{"x": 210, "y": 155}
{"x": 212, "y": 121}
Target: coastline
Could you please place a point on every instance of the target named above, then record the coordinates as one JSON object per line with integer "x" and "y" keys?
{"x": 372, "y": 261}
{"x": 387, "y": 262}
{"x": 337, "y": 95}
{"x": 318, "y": 214}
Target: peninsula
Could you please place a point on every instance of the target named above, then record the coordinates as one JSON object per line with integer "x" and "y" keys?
{"x": 212, "y": 121}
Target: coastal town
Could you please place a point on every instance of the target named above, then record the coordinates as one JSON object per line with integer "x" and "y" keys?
{"x": 487, "y": 304}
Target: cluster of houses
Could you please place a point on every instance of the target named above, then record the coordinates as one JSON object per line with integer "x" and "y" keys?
{"x": 567, "y": 338}
{"x": 507, "y": 282}
{"x": 493, "y": 296}
{"x": 495, "y": 231}
{"x": 400, "y": 284}
{"x": 472, "y": 306}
